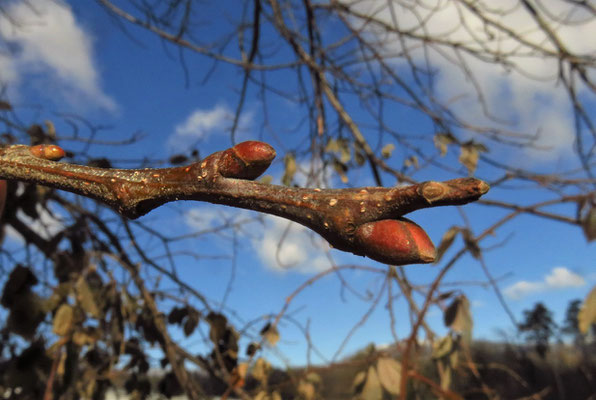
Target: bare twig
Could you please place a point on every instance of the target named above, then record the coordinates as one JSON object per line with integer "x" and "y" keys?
{"x": 364, "y": 221}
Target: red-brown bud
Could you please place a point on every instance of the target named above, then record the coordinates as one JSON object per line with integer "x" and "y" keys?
{"x": 48, "y": 151}
{"x": 396, "y": 242}
{"x": 246, "y": 160}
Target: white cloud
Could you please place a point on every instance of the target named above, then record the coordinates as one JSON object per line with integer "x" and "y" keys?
{"x": 204, "y": 218}
{"x": 558, "y": 278}
{"x": 49, "y": 41}
{"x": 530, "y": 95}
{"x": 202, "y": 123}
{"x": 561, "y": 277}
{"x": 281, "y": 245}
{"x": 46, "y": 226}
{"x": 288, "y": 246}
{"x": 522, "y": 289}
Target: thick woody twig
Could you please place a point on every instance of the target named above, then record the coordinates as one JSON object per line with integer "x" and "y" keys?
{"x": 365, "y": 221}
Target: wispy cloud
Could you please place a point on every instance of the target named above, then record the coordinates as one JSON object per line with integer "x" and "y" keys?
{"x": 280, "y": 244}
{"x": 202, "y": 123}
{"x": 288, "y": 246}
{"x": 529, "y": 95}
{"x": 558, "y": 278}
{"x": 46, "y": 226}
{"x": 49, "y": 42}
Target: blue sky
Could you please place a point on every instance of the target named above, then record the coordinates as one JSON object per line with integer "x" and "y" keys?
{"x": 73, "y": 59}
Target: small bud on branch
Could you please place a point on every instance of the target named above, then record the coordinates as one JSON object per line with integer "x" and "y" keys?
{"x": 364, "y": 221}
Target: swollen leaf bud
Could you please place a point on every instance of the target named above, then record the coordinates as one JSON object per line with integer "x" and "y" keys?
{"x": 396, "y": 242}
{"x": 246, "y": 160}
{"x": 48, "y": 151}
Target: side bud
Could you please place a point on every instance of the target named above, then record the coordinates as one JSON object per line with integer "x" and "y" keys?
{"x": 246, "y": 160}
{"x": 48, "y": 151}
{"x": 395, "y": 241}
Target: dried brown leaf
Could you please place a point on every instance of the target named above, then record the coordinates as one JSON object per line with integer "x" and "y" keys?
{"x": 387, "y": 150}
{"x": 63, "y": 320}
{"x": 358, "y": 382}
{"x": 372, "y": 389}
{"x": 261, "y": 369}
{"x": 389, "y": 372}
{"x": 446, "y": 241}
{"x": 270, "y": 333}
{"x": 587, "y": 313}
{"x": 306, "y": 390}
{"x": 589, "y": 224}
{"x": 442, "y": 141}
{"x": 469, "y": 155}
{"x": 290, "y": 169}
{"x": 86, "y": 298}
{"x": 458, "y": 317}
{"x": 442, "y": 347}
{"x": 471, "y": 243}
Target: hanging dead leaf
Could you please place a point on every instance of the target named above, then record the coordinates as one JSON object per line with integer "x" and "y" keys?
{"x": 261, "y": 369}
{"x": 389, "y": 372}
{"x": 445, "y": 295}
{"x": 217, "y": 326}
{"x": 50, "y": 129}
{"x": 358, "y": 382}
{"x": 442, "y": 347}
{"x": 445, "y": 378}
{"x": 387, "y": 150}
{"x": 454, "y": 356}
{"x": 63, "y": 320}
{"x": 471, "y": 243}
{"x": 177, "y": 315}
{"x": 372, "y": 389}
{"x": 57, "y": 297}
{"x": 191, "y": 322}
{"x": 270, "y": 333}
{"x": 332, "y": 146}
{"x": 20, "y": 281}
{"x": 446, "y": 241}
{"x": 458, "y": 317}
{"x": 411, "y": 161}
{"x": 252, "y": 349}
{"x": 306, "y": 390}
{"x": 86, "y": 298}
{"x": 589, "y": 224}
{"x": 442, "y": 141}
{"x": 290, "y": 169}
{"x": 341, "y": 170}
{"x": 359, "y": 154}
{"x": 587, "y": 313}
{"x": 469, "y": 155}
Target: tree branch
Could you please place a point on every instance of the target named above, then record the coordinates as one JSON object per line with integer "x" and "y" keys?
{"x": 365, "y": 221}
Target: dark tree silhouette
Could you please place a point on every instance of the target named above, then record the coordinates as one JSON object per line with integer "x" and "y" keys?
{"x": 538, "y": 327}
